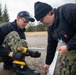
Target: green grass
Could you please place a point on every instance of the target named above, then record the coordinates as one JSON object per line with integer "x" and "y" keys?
{"x": 44, "y": 33}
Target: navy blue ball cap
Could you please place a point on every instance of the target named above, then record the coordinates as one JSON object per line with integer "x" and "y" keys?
{"x": 26, "y": 15}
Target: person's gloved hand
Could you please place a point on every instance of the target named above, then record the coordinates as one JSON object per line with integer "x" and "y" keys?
{"x": 18, "y": 56}
{"x": 35, "y": 54}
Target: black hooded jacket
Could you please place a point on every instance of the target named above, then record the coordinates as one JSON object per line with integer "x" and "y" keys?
{"x": 64, "y": 28}
{"x": 4, "y": 30}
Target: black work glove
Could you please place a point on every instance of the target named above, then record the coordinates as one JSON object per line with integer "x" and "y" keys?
{"x": 34, "y": 54}
{"x": 18, "y": 56}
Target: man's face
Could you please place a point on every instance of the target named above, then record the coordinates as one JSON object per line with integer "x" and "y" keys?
{"x": 48, "y": 19}
{"x": 22, "y": 22}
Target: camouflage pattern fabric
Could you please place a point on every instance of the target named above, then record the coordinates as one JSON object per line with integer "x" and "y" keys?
{"x": 12, "y": 41}
{"x": 66, "y": 64}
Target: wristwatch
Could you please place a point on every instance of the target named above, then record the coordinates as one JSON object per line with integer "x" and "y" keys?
{"x": 67, "y": 47}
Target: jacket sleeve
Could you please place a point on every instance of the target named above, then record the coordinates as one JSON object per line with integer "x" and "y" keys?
{"x": 71, "y": 19}
{"x": 51, "y": 48}
{"x": 72, "y": 43}
{"x": 4, "y": 51}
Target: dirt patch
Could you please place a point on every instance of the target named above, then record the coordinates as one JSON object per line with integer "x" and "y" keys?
{"x": 37, "y": 63}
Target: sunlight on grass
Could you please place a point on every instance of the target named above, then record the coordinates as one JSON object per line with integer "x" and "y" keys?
{"x": 36, "y": 33}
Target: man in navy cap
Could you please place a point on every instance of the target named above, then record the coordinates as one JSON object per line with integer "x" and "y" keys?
{"x": 12, "y": 36}
{"x": 61, "y": 26}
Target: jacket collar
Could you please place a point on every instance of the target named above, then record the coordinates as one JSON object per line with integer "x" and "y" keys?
{"x": 56, "y": 21}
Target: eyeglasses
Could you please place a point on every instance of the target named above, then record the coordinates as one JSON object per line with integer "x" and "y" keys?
{"x": 25, "y": 21}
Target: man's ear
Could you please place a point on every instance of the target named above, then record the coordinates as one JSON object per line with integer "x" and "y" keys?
{"x": 51, "y": 12}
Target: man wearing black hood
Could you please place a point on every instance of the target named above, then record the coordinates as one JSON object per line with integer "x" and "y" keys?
{"x": 61, "y": 26}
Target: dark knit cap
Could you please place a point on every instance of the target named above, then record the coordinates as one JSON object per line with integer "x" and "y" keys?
{"x": 41, "y": 9}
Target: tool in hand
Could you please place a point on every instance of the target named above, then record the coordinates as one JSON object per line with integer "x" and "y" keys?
{"x": 20, "y": 64}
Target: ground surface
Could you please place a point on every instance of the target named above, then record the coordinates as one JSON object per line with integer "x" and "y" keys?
{"x": 32, "y": 62}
